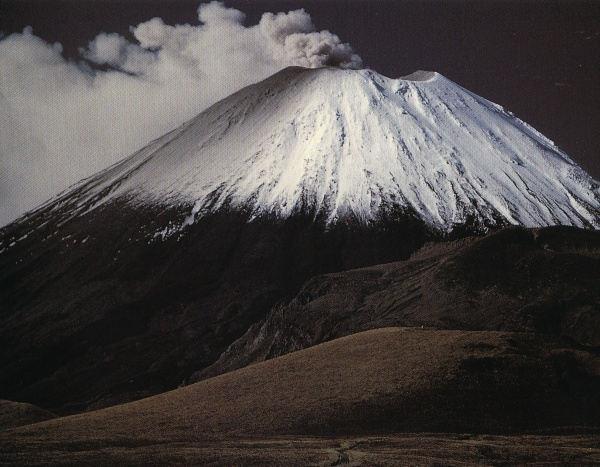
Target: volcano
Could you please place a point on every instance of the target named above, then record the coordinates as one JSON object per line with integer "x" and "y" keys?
{"x": 146, "y": 272}
{"x": 349, "y": 144}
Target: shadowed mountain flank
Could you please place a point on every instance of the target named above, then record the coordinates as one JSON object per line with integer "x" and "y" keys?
{"x": 103, "y": 295}
{"x": 545, "y": 281}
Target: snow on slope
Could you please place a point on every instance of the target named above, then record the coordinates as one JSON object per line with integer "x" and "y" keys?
{"x": 350, "y": 142}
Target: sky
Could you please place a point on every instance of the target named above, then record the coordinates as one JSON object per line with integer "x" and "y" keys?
{"x": 84, "y": 83}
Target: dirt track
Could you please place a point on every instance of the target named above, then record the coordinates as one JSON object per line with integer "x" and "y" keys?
{"x": 401, "y": 449}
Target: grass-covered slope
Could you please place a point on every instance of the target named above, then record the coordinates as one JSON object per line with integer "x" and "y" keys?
{"x": 377, "y": 382}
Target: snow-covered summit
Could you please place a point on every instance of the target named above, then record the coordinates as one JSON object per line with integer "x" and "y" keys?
{"x": 351, "y": 142}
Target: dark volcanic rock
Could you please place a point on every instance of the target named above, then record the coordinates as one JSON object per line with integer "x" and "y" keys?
{"x": 97, "y": 309}
{"x": 545, "y": 281}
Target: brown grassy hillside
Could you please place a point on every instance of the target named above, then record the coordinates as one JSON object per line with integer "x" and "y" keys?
{"x": 13, "y": 414}
{"x": 375, "y": 383}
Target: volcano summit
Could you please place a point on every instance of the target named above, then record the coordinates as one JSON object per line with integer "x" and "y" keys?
{"x": 350, "y": 144}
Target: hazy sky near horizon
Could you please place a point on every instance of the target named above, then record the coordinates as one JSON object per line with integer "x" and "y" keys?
{"x": 87, "y": 107}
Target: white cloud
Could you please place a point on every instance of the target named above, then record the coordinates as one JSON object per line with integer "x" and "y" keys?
{"x": 61, "y": 121}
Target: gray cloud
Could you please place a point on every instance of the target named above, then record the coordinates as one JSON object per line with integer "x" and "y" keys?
{"x": 62, "y": 120}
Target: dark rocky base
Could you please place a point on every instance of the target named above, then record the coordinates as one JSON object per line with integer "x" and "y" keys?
{"x": 542, "y": 281}
{"x": 97, "y": 310}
